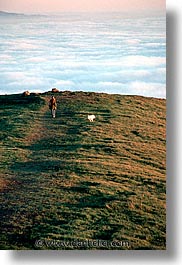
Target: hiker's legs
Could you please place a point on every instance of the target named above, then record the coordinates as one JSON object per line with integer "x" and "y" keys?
{"x": 53, "y": 113}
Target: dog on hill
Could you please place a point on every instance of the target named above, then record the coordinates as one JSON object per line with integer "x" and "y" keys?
{"x": 91, "y": 118}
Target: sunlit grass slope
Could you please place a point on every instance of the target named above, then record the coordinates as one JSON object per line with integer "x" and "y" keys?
{"x": 68, "y": 179}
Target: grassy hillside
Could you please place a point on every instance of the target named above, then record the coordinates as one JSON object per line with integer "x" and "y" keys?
{"x": 67, "y": 179}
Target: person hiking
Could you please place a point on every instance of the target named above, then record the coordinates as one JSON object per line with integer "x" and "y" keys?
{"x": 53, "y": 106}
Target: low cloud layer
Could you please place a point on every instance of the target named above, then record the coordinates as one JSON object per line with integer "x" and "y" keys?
{"x": 100, "y": 53}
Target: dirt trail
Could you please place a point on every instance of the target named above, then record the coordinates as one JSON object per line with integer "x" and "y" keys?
{"x": 23, "y": 195}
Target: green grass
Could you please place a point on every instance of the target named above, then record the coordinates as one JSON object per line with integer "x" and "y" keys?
{"x": 69, "y": 179}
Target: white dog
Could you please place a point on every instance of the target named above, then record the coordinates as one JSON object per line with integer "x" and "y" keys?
{"x": 91, "y": 118}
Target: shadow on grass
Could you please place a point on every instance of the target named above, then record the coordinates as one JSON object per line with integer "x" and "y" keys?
{"x": 97, "y": 200}
{"x": 65, "y": 147}
{"x": 45, "y": 166}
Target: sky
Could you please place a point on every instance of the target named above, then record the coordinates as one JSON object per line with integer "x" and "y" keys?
{"x": 27, "y": 6}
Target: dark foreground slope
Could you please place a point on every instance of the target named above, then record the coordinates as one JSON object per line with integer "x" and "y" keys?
{"x": 69, "y": 180}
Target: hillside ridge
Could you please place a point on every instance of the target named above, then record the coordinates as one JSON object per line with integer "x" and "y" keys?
{"x": 69, "y": 179}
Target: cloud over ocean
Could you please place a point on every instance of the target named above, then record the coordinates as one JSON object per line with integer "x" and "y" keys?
{"x": 90, "y": 52}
